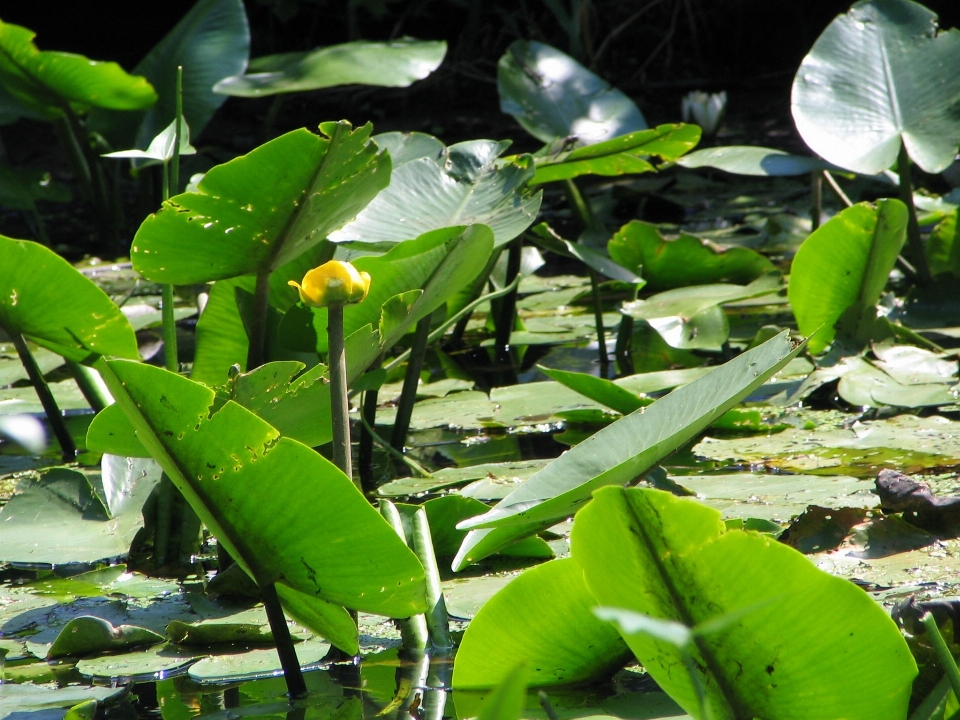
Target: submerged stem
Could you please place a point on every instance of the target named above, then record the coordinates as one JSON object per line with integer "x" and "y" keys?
{"x": 339, "y": 408}
{"x": 50, "y": 407}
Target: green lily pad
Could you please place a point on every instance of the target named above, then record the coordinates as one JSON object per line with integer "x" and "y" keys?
{"x": 147, "y": 663}
{"x": 906, "y": 442}
{"x": 24, "y": 400}
{"x": 252, "y": 664}
{"x": 39, "y": 702}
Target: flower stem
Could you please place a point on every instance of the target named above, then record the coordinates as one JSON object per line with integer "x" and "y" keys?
{"x": 175, "y": 162}
{"x": 50, "y": 407}
{"x": 170, "y": 353}
{"x": 339, "y": 408}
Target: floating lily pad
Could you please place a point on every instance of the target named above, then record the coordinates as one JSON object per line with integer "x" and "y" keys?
{"x": 777, "y": 497}
{"x": 906, "y": 442}
{"x": 45, "y": 703}
{"x": 86, "y": 635}
{"x": 21, "y": 400}
{"x": 254, "y": 663}
{"x": 155, "y": 661}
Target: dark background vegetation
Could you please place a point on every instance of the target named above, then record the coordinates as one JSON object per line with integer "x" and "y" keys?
{"x": 654, "y": 50}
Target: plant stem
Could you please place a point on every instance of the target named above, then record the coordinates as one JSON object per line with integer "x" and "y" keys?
{"x": 598, "y": 319}
{"x": 508, "y": 304}
{"x": 413, "y": 630}
{"x": 175, "y": 162}
{"x": 835, "y": 186}
{"x": 582, "y": 208}
{"x": 339, "y": 408}
{"x": 368, "y": 414}
{"x": 410, "y": 382}
{"x": 91, "y": 385}
{"x": 409, "y": 461}
{"x": 547, "y": 705}
{"x": 41, "y": 226}
{"x": 438, "y": 622}
{"x": 625, "y": 340}
{"x": 162, "y": 521}
{"x": 943, "y": 652}
{"x": 256, "y": 354}
{"x": 170, "y": 353}
{"x": 296, "y": 687}
{"x": 913, "y": 226}
{"x": 816, "y": 198}
{"x": 50, "y": 407}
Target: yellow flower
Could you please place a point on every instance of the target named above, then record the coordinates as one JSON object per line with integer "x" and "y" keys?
{"x": 333, "y": 283}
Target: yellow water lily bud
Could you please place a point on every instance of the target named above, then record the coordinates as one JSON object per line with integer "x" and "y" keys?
{"x": 333, "y": 283}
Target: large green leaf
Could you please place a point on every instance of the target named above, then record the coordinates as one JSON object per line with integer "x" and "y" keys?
{"x": 686, "y": 260}
{"x": 398, "y": 63}
{"x": 211, "y": 42}
{"x": 622, "y": 451}
{"x": 54, "y": 82}
{"x": 673, "y": 559}
{"x": 553, "y": 96}
{"x": 434, "y": 187}
{"x": 623, "y": 155}
{"x": 753, "y": 160}
{"x": 43, "y": 297}
{"x": 259, "y": 211}
{"x": 841, "y": 269}
{"x": 286, "y": 514}
{"x": 542, "y": 617}
{"x": 943, "y": 250}
{"x": 440, "y": 262}
{"x": 878, "y": 75}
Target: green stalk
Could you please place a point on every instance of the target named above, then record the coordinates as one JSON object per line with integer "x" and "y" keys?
{"x": 816, "y": 198}
{"x": 175, "y": 162}
{"x": 547, "y": 705}
{"x": 92, "y": 386}
{"x": 413, "y": 630}
{"x": 92, "y": 170}
{"x": 256, "y": 354}
{"x": 42, "y": 235}
{"x": 437, "y": 688}
{"x": 410, "y": 381}
{"x": 339, "y": 408}
{"x": 583, "y": 211}
{"x": 50, "y": 407}
{"x": 438, "y": 622}
{"x": 296, "y": 687}
{"x": 913, "y": 226}
{"x": 943, "y": 652}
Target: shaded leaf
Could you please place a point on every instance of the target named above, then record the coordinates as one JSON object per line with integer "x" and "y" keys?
{"x": 553, "y": 96}
{"x": 398, "y": 63}
{"x": 508, "y": 699}
{"x": 210, "y": 42}
{"x": 752, "y": 160}
{"x": 52, "y": 82}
